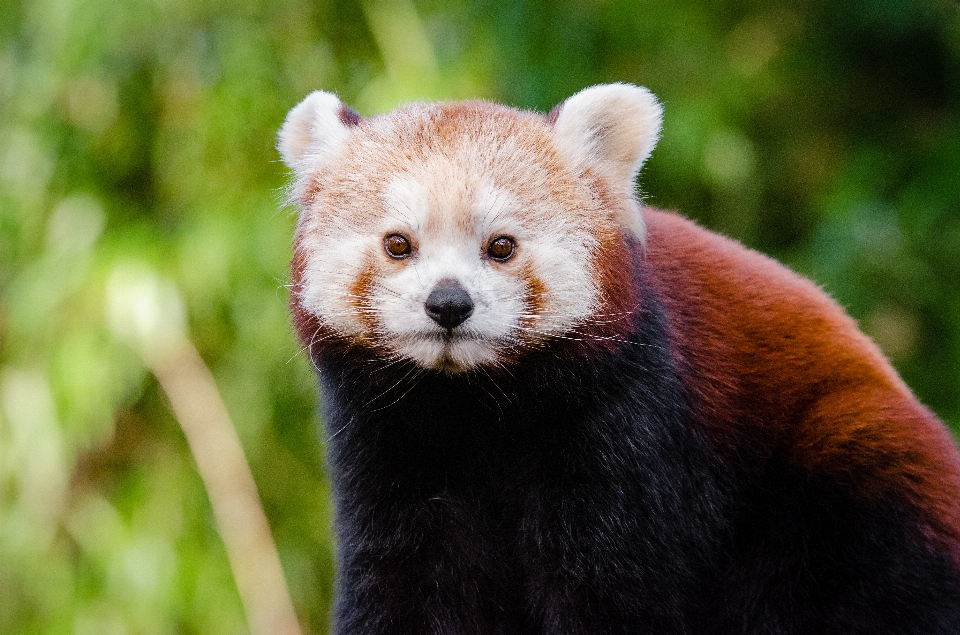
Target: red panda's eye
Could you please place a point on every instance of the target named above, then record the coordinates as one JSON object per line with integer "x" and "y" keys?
{"x": 501, "y": 248}
{"x": 397, "y": 246}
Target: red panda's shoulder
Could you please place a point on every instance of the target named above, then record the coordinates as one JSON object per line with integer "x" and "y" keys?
{"x": 768, "y": 354}
{"x": 745, "y": 305}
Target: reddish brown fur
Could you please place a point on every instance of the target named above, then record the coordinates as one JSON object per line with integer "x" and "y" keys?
{"x": 768, "y": 351}
{"x": 360, "y": 296}
{"x": 533, "y": 299}
{"x": 619, "y": 300}
{"x": 305, "y": 323}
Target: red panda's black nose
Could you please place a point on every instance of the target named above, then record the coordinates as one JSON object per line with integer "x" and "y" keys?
{"x": 449, "y": 304}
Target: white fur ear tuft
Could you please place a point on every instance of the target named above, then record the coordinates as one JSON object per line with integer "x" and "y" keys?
{"x": 314, "y": 130}
{"x": 613, "y": 127}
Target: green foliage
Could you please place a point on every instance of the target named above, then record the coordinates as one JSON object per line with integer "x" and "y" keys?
{"x": 139, "y": 134}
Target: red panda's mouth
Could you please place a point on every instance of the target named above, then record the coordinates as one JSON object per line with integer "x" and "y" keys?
{"x": 450, "y": 336}
{"x": 454, "y": 352}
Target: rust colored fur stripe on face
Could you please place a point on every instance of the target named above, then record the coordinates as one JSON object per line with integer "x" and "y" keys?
{"x": 532, "y": 299}
{"x": 360, "y": 293}
{"x": 614, "y": 317}
{"x": 305, "y": 323}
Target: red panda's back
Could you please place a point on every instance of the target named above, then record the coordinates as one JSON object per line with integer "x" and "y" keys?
{"x": 770, "y": 356}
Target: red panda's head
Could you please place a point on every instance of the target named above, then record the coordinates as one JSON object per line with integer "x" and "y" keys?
{"x": 462, "y": 235}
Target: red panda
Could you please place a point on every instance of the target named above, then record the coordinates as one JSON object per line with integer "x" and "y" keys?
{"x": 550, "y": 410}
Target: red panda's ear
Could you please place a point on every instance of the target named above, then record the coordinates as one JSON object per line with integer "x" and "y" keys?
{"x": 314, "y": 130}
{"x": 610, "y": 128}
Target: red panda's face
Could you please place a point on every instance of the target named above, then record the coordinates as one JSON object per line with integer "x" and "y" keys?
{"x": 454, "y": 236}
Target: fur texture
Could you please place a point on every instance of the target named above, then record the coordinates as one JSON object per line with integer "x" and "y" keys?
{"x": 632, "y": 425}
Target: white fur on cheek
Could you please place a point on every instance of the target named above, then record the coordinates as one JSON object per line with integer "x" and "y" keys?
{"x": 570, "y": 295}
{"x": 333, "y": 265}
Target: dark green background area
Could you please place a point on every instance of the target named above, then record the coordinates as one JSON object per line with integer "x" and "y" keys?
{"x": 138, "y": 136}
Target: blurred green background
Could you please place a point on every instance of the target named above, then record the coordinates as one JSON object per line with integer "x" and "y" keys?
{"x": 138, "y": 135}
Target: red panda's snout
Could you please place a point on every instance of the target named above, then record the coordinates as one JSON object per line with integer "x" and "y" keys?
{"x": 449, "y": 304}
